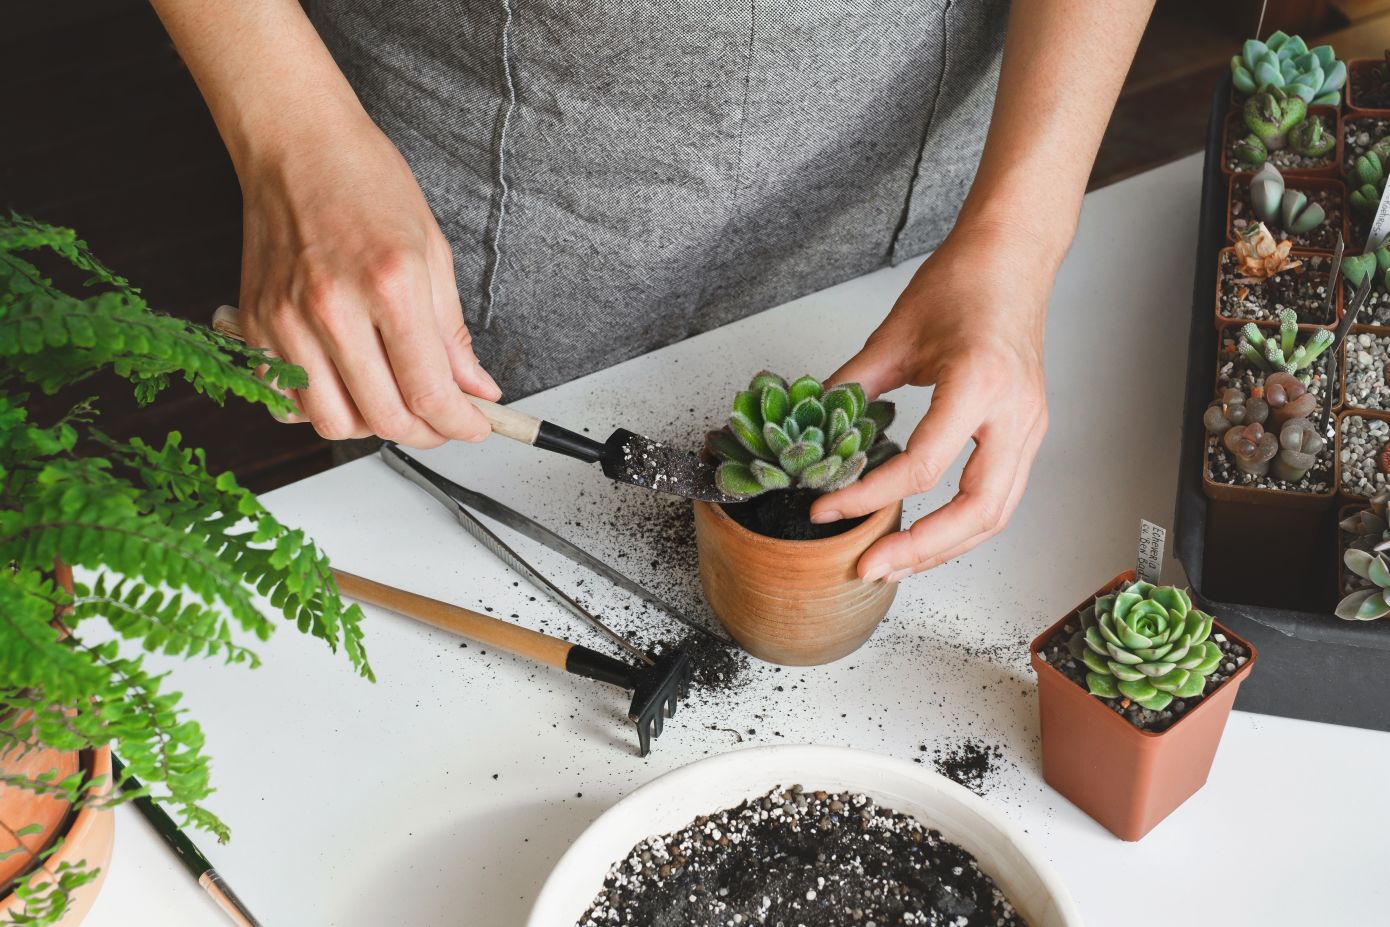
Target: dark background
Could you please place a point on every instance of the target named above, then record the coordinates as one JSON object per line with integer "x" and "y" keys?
{"x": 104, "y": 131}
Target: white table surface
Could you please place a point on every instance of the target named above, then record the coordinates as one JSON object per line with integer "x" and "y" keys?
{"x": 442, "y": 794}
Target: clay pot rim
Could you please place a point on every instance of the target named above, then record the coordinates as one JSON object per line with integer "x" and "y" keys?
{"x": 1040, "y": 665}
{"x": 96, "y": 763}
{"x": 870, "y": 525}
{"x": 1338, "y": 294}
{"x": 1234, "y": 115}
{"x": 1352, "y": 110}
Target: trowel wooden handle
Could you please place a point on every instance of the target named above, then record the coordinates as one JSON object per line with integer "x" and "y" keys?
{"x": 509, "y": 423}
{"x": 455, "y": 619}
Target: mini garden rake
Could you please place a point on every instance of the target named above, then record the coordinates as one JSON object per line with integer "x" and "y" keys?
{"x": 657, "y": 686}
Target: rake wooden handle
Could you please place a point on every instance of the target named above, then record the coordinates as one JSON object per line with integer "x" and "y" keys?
{"x": 509, "y": 423}
{"x": 455, "y": 619}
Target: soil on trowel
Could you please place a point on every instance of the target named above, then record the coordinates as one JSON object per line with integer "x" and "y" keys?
{"x": 786, "y": 515}
{"x": 797, "y": 857}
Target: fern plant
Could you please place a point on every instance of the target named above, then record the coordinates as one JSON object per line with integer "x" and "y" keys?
{"x": 171, "y": 558}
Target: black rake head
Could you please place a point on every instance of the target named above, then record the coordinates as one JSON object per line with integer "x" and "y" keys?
{"x": 658, "y": 690}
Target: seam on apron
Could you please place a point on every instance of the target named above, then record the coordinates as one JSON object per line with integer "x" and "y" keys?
{"x": 747, "y": 86}
{"x": 926, "y": 131}
{"x": 503, "y": 189}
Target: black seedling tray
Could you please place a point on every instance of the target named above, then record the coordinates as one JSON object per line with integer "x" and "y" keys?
{"x": 1243, "y": 561}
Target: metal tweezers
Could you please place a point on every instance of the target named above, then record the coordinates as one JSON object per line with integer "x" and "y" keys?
{"x": 460, "y": 499}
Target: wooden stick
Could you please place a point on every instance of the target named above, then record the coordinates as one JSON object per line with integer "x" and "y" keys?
{"x": 455, "y": 619}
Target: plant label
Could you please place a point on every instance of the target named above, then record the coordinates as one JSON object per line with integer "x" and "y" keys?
{"x": 1380, "y": 225}
{"x": 1152, "y": 540}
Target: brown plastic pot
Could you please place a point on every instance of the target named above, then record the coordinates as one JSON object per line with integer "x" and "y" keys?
{"x": 797, "y": 603}
{"x": 1337, "y": 292}
{"x": 1355, "y": 67}
{"x": 1235, "y": 123}
{"x": 1125, "y": 778}
{"x": 1347, "y": 413}
{"x": 1240, "y": 185}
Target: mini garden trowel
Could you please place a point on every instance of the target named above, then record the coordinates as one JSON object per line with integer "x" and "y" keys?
{"x": 626, "y": 457}
{"x": 657, "y": 687}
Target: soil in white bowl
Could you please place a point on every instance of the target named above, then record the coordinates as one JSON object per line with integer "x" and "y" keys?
{"x": 805, "y": 858}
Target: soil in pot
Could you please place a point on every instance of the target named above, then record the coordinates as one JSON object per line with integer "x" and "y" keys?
{"x": 1322, "y": 238}
{"x": 786, "y": 515}
{"x": 1368, "y": 380}
{"x": 1367, "y": 85}
{"x": 1221, "y": 468}
{"x": 1375, "y": 310}
{"x": 1056, "y": 652}
{"x": 1303, "y": 289}
{"x": 811, "y": 858}
{"x": 1363, "y": 444}
{"x": 1286, "y": 159}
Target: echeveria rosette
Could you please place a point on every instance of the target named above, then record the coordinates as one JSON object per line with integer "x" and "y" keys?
{"x": 1369, "y": 602}
{"x": 1146, "y": 643}
{"x": 1286, "y": 62}
{"x": 783, "y": 435}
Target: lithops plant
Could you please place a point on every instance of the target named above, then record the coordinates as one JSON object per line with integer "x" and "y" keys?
{"x": 1285, "y": 62}
{"x": 1273, "y": 202}
{"x": 1299, "y": 446}
{"x": 1271, "y": 114}
{"x": 1287, "y": 398}
{"x": 1251, "y": 447}
{"x": 1259, "y": 256}
{"x": 1146, "y": 643}
{"x": 1356, "y": 267}
{"x": 1283, "y": 353}
{"x": 784, "y": 435}
{"x": 1369, "y": 602}
{"x": 1232, "y": 409}
{"x": 1308, "y": 137}
{"x": 1367, "y": 178}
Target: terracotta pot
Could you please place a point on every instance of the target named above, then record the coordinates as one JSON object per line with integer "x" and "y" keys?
{"x": 797, "y": 603}
{"x": 1347, "y": 413}
{"x": 1357, "y": 67}
{"x": 88, "y": 838}
{"x": 1235, "y": 123}
{"x": 1127, "y": 779}
{"x": 1229, "y": 253}
{"x": 1240, "y": 187}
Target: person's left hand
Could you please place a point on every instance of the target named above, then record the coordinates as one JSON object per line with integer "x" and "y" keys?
{"x": 971, "y": 324}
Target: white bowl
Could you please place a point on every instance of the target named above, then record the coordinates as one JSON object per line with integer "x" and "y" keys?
{"x": 674, "y": 800}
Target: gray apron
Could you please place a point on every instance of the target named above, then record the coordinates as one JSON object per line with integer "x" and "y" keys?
{"x": 617, "y": 176}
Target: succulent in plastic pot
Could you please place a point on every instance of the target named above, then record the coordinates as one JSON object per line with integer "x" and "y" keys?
{"x": 1285, "y": 62}
{"x": 1368, "y": 602}
{"x": 1146, "y": 643}
{"x": 1367, "y": 178}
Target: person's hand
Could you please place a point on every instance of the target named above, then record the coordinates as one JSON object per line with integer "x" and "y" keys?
{"x": 970, "y": 323}
{"x": 346, "y": 273}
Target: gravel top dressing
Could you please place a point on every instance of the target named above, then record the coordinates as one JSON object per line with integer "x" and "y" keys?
{"x": 1321, "y": 238}
{"x": 1359, "y": 135}
{"x": 1367, "y": 357}
{"x": 1234, "y": 656}
{"x": 1303, "y": 289}
{"x": 1364, "y": 443}
{"x": 1375, "y": 310}
{"x": 798, "y": 858}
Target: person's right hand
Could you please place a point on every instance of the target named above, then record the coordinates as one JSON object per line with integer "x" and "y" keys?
{"x": 346, "y": 273}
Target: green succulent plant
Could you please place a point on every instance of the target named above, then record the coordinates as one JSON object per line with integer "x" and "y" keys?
{"x": 1367, "y": 603}
{"x": 1284, "y": 353}
{"x": 1286, "y": 63}
{"x": 1356, "y": 267}
{"x": 1367, "y": 180}
{"x": 1370, "y": 527}
{"x": 783, "y": 435}
{"x": 1275, "y": 204}
{"x": 1146, "y": 643}
{"x": 1271, "y": 114}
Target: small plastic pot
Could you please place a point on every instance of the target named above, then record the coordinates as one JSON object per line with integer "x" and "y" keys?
{"x": 1235, "y": 128}
{"x": 796, "y": 603}
{"x": 1338, "y": 292}
{"x": 1240, "y": 186}
{"x": 1345, "y": 414}
{"x": 1358, "y": 67}
{"x": 1125, "y": 778}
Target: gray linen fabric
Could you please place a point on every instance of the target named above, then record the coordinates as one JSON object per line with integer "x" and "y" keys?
{"x": 616, "y": 176}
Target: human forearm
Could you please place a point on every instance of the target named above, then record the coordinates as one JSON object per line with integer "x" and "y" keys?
{"x": 263, "y": 71}
{"x": 1064, "y": 63}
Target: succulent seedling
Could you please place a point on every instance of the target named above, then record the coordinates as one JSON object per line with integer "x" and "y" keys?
{"x": 1368, "y": 602}
{"x": 1369, "y": 528}
{"x": 1260, "y": 256}
{"x": 1286, "y": 63}
{"x": 1287, "y": 397}
{"x": 1376, "y": 265}
{"x": 1233, "y": 410}
{"x": 1299, "y": 446}
{"x": 1274, "y": 203}
{"x": 1252, "y": 448}
{"x": 1307, "y": 136}
{"x": 1145, "y": 643}
{"x": 801, "y": 434}
{"x": 1367, "y": 179}
{"x": 1283, "y": 353}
